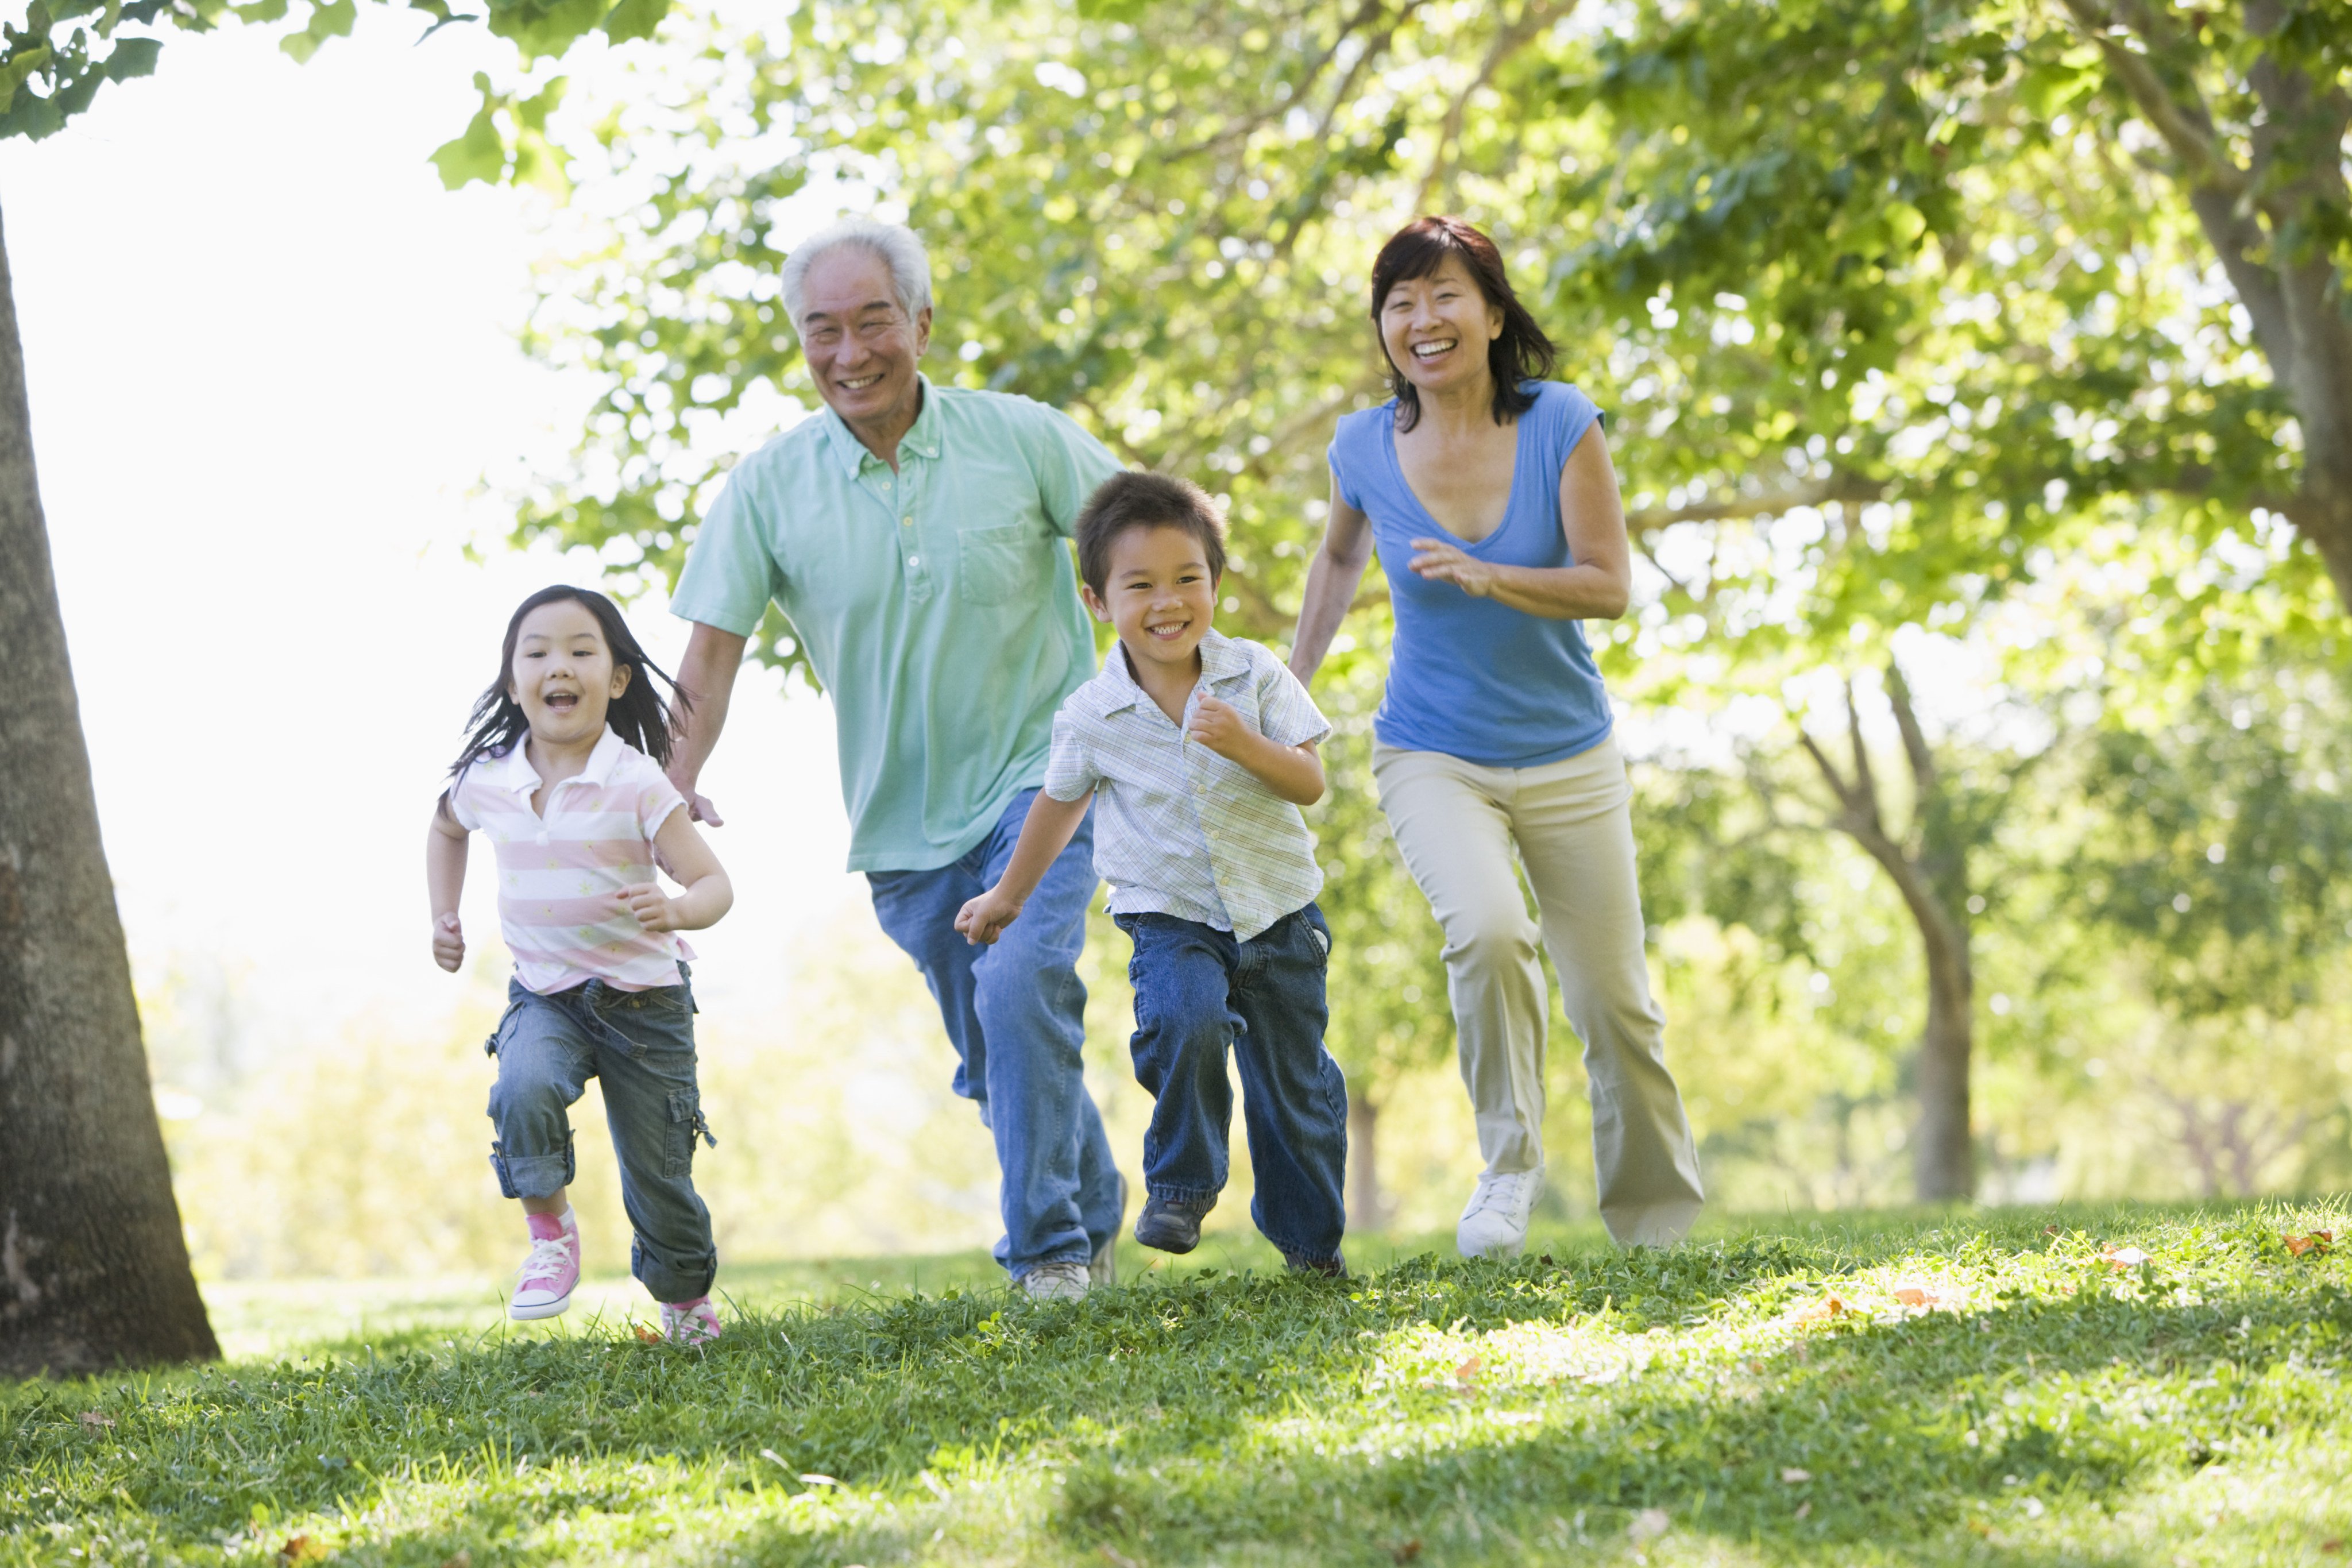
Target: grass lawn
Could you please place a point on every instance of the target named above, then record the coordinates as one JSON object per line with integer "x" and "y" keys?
{"x": 1979, "y": 1387}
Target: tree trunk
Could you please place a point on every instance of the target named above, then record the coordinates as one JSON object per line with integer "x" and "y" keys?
{"x": 93, "y": 1268}
{"x": 1366, "y": 1208}
{"x": 1943, "y": 1154}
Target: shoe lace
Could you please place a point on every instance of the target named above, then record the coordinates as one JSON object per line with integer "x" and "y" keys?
{"x": 1502, "y": 1191}
{"x": 550, "y": 1256}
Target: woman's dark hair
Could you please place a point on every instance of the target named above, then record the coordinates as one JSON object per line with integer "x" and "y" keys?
{"x": 638, "y": 715}
{"x": 1134, "y": 500}
{"x": 1521, "y": 353}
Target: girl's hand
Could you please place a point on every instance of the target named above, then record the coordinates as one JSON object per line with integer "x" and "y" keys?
{"x": 448, "y": 941}
{"x": 983, "y": 919}
{"x": 654, "y": 911}
{"x": 1441, "y": 562}
{"x": 1220, "y": 727}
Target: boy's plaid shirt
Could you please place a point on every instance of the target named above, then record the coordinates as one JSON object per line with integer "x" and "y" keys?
{"x": 1180, "y": 830}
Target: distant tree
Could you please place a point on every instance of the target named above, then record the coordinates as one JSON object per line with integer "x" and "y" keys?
{"x": 93, "y": 1265}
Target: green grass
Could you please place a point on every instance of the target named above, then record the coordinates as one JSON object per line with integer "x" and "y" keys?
{"x": 1589, "y": 1407}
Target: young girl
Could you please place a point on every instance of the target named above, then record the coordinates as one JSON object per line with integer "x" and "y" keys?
{"x": 563, "y": 768}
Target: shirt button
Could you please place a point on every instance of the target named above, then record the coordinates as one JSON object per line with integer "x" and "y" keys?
{"x": 914, "y": 560}
{"x": 908, "y": 520}
{"x": 542, "y": 835}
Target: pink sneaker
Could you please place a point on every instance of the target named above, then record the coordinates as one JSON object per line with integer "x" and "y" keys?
{"x": 693, "y": 1322}
{"x": 550, "y": 1271}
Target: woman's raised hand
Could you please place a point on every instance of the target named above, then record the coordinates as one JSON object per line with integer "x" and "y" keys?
{"x": 1442, "y": 563}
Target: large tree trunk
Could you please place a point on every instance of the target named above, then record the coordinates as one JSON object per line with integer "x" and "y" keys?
{"x": 93, "y": 1267}
{"x": 1366, "y": 1208}
{"x": 1943, "y": 1154}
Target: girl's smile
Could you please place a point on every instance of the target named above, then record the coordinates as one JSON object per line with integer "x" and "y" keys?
{"x": 565, "y": 677}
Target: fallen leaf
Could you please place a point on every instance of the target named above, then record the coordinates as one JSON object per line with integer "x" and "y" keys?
{"x": 1468, "y": 1373}
{"x": 1793, "y": 1476}
{"x": 303, "y": 1549}
{"x": 2122, "y": 1257}
{"x": 2331, "y": 1547}
{"x": 461, "y": 1558}
{"x": 1821, "y": 1309}
{"x": 2319, "y": 1241}
{"x": 1648, "y": 1525}
{"x": 651, "y": 1336}
{"x": 2050, "y": 1230}
{"x": 1804, "y": 1508}
{"x": 1406, "y": 1551}
{"x": 96, "y": 1420}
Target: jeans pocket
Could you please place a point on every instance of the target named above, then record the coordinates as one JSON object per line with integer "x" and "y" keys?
{"x": 685, "y": 1121}
{"x": 491, "y": 1045}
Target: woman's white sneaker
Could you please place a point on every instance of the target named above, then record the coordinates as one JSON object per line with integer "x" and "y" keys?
{"x": 1495, "y": 1222}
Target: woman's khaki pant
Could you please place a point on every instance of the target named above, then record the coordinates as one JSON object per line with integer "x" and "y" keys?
{"x": 1458, "y": 826}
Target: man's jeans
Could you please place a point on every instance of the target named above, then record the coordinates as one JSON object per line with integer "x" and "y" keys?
{"x": 1016, "y": 1014}
{"x": 641, "y": 1045}
{"x": 1197, "y": 991}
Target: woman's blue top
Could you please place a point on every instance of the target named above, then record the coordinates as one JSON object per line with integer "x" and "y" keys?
{"x": 1472, "y": 678}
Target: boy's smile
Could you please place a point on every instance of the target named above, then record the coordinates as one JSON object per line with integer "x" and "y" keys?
{"x": 1160, "y": 598}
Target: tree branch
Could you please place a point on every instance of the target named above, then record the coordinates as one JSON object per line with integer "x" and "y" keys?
{"x": 1838, "y": 486}
{"x": 1508, "y": 42}
{"x": 1914, "y": 739}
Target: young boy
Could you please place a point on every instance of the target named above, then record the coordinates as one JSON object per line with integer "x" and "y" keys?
{"x": 1203, "y": 749}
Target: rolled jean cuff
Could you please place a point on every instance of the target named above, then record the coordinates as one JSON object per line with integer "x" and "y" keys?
{"x": 1167, "y": 1194}
{"x": 532, "y": 1175}
{"x": 679, "y": 1280}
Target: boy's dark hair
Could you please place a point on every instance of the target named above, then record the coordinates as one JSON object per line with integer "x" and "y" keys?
{"x": 1522, "y": 354}
{"x": 638, "y": 715}
{"x": 1128, "y": 500}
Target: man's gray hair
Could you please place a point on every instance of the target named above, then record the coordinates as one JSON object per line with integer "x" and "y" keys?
{"x": 900, "y": 248}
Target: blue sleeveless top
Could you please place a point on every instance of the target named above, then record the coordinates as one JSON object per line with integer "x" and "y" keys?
{"x": 1472, "y": 678}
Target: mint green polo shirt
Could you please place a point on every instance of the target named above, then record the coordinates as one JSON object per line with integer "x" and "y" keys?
{"x": 937, "y": 604}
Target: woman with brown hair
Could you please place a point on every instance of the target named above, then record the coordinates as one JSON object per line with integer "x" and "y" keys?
{"x": 1487, "y": 491}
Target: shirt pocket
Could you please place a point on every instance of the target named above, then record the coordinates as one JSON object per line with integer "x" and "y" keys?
{"x": 1000, "y": 566}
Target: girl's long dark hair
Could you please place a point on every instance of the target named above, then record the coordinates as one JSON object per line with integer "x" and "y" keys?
{"x": 638, "y": 715}
{"x": 1521, "y": 353}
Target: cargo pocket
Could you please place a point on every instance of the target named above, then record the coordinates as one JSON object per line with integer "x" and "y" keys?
{"x": 685, "y": 1123}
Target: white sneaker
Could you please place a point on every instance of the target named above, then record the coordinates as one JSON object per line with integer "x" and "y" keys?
{"x": 1494, "y": 1221}
{"x": 1056, "y": 1282}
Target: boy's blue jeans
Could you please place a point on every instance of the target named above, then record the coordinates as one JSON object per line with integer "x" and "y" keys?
{"x": 640, "y": 1045}
{"x": 1197, "y": 990}
{"x": 1016, "y": 1014}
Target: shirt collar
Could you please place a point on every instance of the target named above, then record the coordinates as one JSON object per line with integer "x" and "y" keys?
{"x": 1221, "y": 659}
{"x": 922, "y": 437}
{"x": 516, "y": 774}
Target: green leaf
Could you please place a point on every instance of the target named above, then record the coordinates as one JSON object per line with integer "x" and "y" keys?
{"x": 132, "y": 56}
{"x": 545, "y": 26}
{"x": 634, "y": 19}
{"x": 481, "y": 153}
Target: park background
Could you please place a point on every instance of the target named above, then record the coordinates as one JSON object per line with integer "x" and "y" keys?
{"x": 290, "y": 397}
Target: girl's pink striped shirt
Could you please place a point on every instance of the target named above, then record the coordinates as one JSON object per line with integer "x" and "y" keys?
{"x": 559, "y": 871}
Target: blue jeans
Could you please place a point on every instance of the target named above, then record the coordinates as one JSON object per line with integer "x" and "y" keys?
{"x": 1016, "y": 1014}
{"x": 1197, "y": 991}
{"x": 640, "y": 1044}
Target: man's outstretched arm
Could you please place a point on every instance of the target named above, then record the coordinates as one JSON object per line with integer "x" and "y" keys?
{"x": 707, "y": 676}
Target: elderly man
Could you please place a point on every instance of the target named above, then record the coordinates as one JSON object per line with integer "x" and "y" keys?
{"x": 914, "y": 534}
